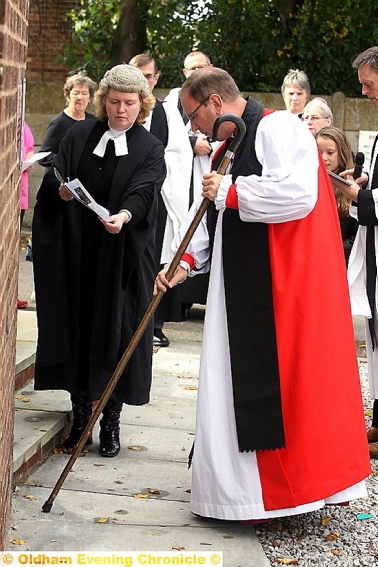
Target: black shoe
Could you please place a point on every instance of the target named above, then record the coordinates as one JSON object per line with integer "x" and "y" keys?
{"x": 160, "y": 339}
{"x": 109, "y": 429}
{"x": 82, "y": 412}
{"x": 185, "y": 308}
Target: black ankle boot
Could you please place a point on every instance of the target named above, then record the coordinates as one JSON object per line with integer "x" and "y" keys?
{"x": 82, "y": 411}
{"x": 109, "y": 429}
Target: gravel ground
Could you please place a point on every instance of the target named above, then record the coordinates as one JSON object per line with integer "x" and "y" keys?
{"x": 337, "y": 536}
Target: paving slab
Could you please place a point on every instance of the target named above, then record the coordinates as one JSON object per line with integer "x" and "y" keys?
{"x": 86, "y": 521}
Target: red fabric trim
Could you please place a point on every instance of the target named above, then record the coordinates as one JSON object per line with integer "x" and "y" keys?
{"x": 232, "y": 198}
{"x": 267, "y": 111}
{"x": 320, "y": 386}
{"x": 218, "y": 151}
{"x": 189, "y": 259}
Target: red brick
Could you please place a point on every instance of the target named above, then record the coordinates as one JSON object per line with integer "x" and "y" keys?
{"x": 13, "y": 45}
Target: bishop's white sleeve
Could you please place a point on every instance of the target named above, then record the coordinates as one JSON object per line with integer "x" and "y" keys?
{"x": 288, "y": 186}
{"x": 198, "y": 248}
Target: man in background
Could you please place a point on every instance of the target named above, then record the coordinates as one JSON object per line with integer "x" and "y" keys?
{"x": 165, "y": 124}
{"x": 194, "y": 290}
{"x": 362, "y": 270}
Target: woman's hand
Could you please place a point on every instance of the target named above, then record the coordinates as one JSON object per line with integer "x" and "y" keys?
{"x": 161, "y": 282}
{"x": 65, "y": 194}
{"x": 116, "y": 222}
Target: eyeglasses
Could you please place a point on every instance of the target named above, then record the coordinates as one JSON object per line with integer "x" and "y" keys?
{"x": 314, "y": 118}
{"x": 192, "y": 117}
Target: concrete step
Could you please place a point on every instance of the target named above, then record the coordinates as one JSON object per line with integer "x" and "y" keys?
{"x": 41, "y": 418}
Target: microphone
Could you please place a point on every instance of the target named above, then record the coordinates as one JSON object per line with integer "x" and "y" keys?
{"x": 358, "y": 163}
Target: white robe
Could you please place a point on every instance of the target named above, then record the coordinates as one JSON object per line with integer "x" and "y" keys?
{"x": 201, "y": 164}
{"x": 175, "y": 190}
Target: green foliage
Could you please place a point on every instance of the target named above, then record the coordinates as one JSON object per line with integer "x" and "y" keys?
{"x": 171, "y": 29}
{"x": 93, "y": 25}
{"x": 257, "y": 41}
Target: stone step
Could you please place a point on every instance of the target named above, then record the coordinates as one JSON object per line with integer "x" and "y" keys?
{"x": 41, "y": 418}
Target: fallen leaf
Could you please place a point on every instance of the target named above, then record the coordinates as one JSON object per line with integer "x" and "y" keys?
{"x": 135, "y": 447}
{"x": 29, "y": 497}
{"x": 332, "y": 536}
{"x": 335, "y": 551}
{"x": 98, "y": 465}
{"x": 18, "y": 542}
{"x": 225, "y": 536}
{"x": 153, "y": 491}
{"x": 368, "y": 413}
{"x": 63, "y": 451}
{"x": 22, "y": 398}
{"x": 275, "y": 527}
{"x": 326, "y": 520}
{"x": 101, "y": 520}
{"x": 191, "y": 387}
{"x": 140, "y": 495}
{"x": 178, "y": 547}
{"x": 186, "y": 375}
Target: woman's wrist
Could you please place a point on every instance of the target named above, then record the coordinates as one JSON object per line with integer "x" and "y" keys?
{"x": 127, "y": 215}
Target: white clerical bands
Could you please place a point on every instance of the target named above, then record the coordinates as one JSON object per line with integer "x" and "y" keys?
{"x": 119, "y": 139}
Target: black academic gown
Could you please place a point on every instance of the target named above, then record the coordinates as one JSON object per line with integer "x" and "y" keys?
{"x": 121, "y": 267}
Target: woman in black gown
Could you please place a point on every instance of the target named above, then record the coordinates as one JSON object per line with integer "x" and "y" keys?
{"x": 94, "y": 278}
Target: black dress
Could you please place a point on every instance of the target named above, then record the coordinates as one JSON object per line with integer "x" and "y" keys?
{"x": 55, "y": 132}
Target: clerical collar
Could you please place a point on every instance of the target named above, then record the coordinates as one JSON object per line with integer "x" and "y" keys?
{"x": 119, "y": 139}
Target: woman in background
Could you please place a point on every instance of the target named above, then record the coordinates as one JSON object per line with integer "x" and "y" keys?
{"x": 93, "y": 277}
{"x": 78, "y": 92}
{"x": 27, "y": 152}
{"x": 317, "y": 115}
{"x": 295, "y": 91}
{"x": 337, "y": 155}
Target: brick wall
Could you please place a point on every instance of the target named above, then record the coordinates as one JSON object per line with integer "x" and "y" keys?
{"x": 13, "y": 46}
{"x": 49, "y": 31}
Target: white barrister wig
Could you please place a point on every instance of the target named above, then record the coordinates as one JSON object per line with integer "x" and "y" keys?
{"x": 126, "y": 79}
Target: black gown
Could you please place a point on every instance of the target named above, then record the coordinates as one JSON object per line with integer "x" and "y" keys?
{"x": 92, "y": 287}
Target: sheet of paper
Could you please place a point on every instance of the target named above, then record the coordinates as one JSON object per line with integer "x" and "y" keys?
{"x": 34, "y": 158}
{"x": 81, "y": 194}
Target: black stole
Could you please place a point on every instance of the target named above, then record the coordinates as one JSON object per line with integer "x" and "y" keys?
{"x": 250, "y": 313}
